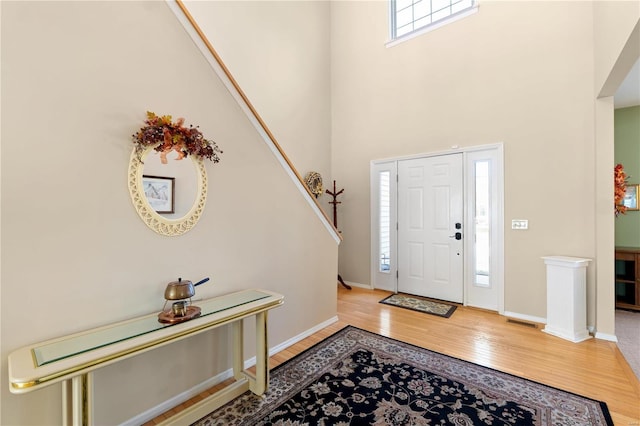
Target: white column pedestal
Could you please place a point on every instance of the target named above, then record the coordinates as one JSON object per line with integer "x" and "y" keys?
{"x": 567, "y": 297}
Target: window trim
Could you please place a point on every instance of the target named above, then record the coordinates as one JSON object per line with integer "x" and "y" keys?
{"x": 427, "y": 28}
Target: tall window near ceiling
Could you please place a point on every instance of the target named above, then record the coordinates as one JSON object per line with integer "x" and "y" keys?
{"x": 410, "y": 17}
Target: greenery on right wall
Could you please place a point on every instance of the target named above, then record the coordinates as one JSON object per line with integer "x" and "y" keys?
{"x": 627, "y": 152}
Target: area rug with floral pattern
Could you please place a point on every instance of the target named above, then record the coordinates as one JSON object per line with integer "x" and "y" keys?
{"x": 356, "y": 377}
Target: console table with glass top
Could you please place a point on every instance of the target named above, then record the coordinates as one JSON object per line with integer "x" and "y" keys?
{"x": 72, "y": 359}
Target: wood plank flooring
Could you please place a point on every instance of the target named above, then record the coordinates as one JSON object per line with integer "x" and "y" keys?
{"x": 593, "y": 368}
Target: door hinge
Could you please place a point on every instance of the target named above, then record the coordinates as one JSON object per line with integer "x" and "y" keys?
{"x": 397, "y": 276}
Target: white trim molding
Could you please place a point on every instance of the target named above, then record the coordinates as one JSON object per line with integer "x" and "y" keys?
{"x": 367, "y": 286}
{"x": 606, "y": 336}
{"x": 524, "y": 317}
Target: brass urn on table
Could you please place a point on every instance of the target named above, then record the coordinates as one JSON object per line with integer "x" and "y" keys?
{"x": 182, "y": 309}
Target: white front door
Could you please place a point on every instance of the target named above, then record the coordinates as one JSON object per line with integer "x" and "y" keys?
{"x": 430, "y": 218}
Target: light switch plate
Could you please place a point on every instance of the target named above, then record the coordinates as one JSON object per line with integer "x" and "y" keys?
{"x": 520, "y": 224}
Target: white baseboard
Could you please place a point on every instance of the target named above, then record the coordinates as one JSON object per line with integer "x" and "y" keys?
{"x": 196, "y": 390}
{"x": 295, "y": 339}
{"x": 351, "y": 283}
{"x": 284, "y": 345}
{"x": 154, "y": 412}
{"x": 606, "y": 336}
{"x": 591, "y": 328}
{"x": 524, "y": 317}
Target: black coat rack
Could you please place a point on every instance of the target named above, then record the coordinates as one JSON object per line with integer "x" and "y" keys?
{"x": 335, "y": 203}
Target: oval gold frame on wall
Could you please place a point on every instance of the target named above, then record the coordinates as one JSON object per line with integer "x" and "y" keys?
{"x": 159, "y": 224}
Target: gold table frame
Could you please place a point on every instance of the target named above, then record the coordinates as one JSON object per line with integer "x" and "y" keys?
{"x": 42, "y": 364}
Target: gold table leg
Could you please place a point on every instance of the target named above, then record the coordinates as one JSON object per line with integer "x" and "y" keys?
{"x": 77, "y": 400}
{"x": 259, "y": 386}
{"x": 237, "y": 329}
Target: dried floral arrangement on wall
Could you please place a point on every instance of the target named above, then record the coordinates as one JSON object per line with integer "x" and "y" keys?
{"x": 167, "y": 136}
{"x": 620, "y": 189}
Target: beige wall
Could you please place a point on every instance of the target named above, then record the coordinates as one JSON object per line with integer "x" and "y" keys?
{"x": 497, "y": 76}
{"x": 278, "y": 51}
{"x": 77, "y": 78}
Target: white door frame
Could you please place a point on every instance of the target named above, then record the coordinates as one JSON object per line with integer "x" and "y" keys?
{"x": 387, "y": 280}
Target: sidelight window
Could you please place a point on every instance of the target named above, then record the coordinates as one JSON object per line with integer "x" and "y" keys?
{"x": 482, "y": 223}
{"x": 385, "y": 221}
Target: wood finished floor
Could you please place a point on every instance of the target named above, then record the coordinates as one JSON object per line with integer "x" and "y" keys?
{"x": 594, "y": 368}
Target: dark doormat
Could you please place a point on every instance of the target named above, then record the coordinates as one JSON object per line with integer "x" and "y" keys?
{"x": 420, "y": 304}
